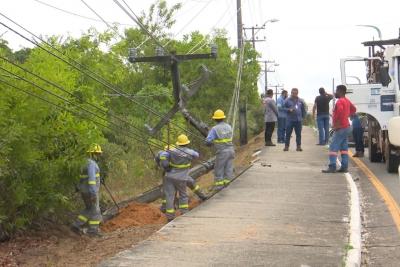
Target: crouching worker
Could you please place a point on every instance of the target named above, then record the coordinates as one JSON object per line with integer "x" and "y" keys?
{"x": 191, "y": 183}
{"x": 89, "y": 186}
{"x": 221, "y": 136}
{"x": 177, "y": 163}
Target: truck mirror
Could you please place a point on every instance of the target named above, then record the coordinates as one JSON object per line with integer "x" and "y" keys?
{"x": 384, "y": 75}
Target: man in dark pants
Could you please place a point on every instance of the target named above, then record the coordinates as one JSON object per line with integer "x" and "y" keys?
{"x": 296, "y": 112}
{"x": 282, "y": 115}
{"x": 358, "y": 135}
{"x": 270, "y": 117}
{"x": 321, "y": 105}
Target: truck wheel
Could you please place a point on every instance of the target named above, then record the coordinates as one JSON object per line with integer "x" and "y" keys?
{"x": 392, "y": 161}
{"x": 373, "y": 154}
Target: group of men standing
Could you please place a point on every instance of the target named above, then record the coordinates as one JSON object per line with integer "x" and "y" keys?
{"x": 289, "y": 112}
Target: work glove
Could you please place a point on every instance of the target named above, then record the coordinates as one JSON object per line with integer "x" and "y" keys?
{"x": 102, "y": 180}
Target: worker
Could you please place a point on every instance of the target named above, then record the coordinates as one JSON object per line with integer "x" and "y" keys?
{"x": 89, "y": 186}
{"x": 341, "y": 128}
{"x": 177, "y": 163}
{"x": 221, "y": 136}
{"x": 191, "y": 183}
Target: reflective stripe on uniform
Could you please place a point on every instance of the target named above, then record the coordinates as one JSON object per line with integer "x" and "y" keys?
{"x": 332, "y": 153}
{"x": 92, "y": 182}
{"x": 163, "y": 158}
{"x": 94, "y": 222}
{"x": 219, "y": 183}
{"x": 164, "y": 201}
{"x": 227, "y": 181}
{"x": 184, "y": 206}
{"x": 83, "y": 218}
{"x": 170, "y": 211}
{"x": 344, "y": 152}
{"x": 220, "y": 141}
{"x": 180, "y": 166}
{"x": 82, "y": 176}
{"x": 196, "y": 188}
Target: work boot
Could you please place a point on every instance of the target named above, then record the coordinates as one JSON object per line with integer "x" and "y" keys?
{"x": 286, "y": 148}
{"x": 330, "y": 169}
{"x": 343, "y": 170}
{"x": 269, "y": 144}
{"x": 76, "y": 229}
{"x": 358, "y": 154}
{"x": 201, "y": 195}
{"x": 299, "y": 148}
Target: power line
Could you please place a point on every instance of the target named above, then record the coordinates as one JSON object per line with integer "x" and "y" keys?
{"x": 73, "y": 112}
{"x": 136, "y": 19}
{"x": 190, "y": 21}
{"x": 96, "y": 77}
{"x": 76, "y": 14}
{"x": 218, "y": 21}
{"x": 100, "y": 17}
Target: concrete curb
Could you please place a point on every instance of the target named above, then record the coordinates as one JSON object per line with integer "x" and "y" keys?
{"x": 353, "y": 256}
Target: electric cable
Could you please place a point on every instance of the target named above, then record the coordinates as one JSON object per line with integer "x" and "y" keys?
{"x": 76, "y": 14}
{"x": 100, "y": 17}
{"x": 91, "y": 74}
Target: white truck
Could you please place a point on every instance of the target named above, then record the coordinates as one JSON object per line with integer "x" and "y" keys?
{"x": 373, "y": 85}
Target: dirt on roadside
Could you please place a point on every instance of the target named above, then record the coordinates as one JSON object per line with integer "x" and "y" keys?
{"x": 56, "y": 245}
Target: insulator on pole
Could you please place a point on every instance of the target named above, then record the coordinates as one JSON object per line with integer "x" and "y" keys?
{"x": 159, "y": 51}
{"x": 214, "y": 50}
{"x": 132, "y": 54}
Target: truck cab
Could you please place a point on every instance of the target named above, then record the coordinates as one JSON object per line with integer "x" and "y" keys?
{"x": 373, "y": 85}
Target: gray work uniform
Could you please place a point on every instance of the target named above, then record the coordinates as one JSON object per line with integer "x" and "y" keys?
{"x": 89, "y": 187}
{"x": 221, "y": 136}
{"x": 179, "y": 162}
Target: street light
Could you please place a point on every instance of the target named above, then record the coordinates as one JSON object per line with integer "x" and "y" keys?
{"x": 267, "y": 21}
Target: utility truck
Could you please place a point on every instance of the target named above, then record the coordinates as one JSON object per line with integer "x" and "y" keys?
{"x": 373, "y": 85}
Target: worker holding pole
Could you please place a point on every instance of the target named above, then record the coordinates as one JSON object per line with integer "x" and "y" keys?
{"x": 177, "y": 163}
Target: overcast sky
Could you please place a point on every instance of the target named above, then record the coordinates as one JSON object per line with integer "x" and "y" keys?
{"x": 307, "y": 42}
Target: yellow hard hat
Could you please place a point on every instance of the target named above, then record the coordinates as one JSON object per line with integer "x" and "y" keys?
{"x": 183, "y": 140}
{"x": 218, "y": 115}
{"x": 95, "y": 148}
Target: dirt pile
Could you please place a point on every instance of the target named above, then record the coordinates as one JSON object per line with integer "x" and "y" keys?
{"x": 135, "y": 214}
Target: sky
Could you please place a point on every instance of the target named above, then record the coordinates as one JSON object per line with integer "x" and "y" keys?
{"x": 307, "y": 42}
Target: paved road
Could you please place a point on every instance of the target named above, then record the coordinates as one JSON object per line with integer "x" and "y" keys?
{"x": 381, "y": 236}
{"x": 288, "y": 214}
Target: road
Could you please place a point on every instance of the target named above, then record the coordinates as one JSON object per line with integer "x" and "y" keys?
{"x": 381, "y": 232}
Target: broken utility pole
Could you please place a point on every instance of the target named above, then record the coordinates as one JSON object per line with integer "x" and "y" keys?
{"x": 181, "y": 93}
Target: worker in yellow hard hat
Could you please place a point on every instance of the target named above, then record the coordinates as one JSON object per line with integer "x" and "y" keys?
{"x": 191, "y": 183}
{"x": 89, "y": 187}
{"x": 221, "y": 137}
{"x": 177, "y": 163}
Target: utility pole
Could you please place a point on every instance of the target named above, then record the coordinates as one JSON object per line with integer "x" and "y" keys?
{"x": 242, "y": 106}
{"x": 280, "y": 86}
{"x": 266, "y": 73}
{"x": 254, "y": 37}
{"x": 239, "y": 23}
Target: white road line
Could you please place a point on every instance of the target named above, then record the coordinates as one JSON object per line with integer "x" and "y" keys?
{"x": 353, "y": 257}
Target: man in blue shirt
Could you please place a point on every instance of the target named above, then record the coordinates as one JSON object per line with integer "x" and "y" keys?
{"x": 282, "y": 115}
{"x": 296, "y": 112}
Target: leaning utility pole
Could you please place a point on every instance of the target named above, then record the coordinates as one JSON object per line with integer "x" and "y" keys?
{"x": 243, "y": 106}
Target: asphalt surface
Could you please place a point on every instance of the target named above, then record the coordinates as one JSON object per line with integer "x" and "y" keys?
{"x": 288, "y": 214}
{"x": 381, "y": 238}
